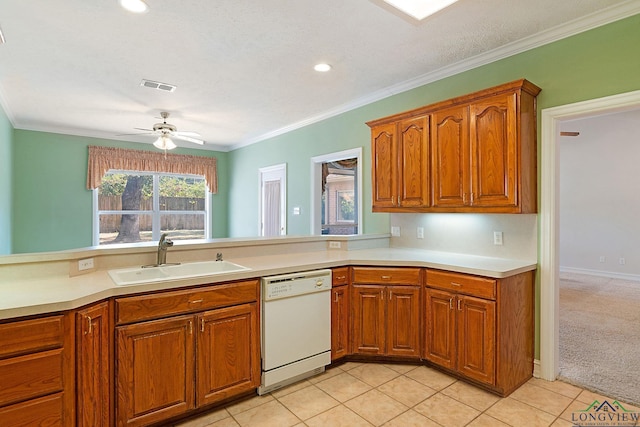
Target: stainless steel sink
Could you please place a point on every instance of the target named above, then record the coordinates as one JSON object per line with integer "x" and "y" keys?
{"x": 137, "y": 275}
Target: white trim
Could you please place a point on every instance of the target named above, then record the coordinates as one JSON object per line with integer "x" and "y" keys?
{"x": 549, "y": 236}
{"x": 536, "y": 368}
{"x": 271, "y": 173}
{"x": 316, "y": 177}
{"x": 585, "y": 23}
{"x": 601, "y": 273}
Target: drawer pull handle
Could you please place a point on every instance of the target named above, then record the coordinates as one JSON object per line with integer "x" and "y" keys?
{"x": 341, "y": 277}
{"x": 390, "y": 295}
{"x": 451, "y": 303}
{"x": 202, "y": 324}
{"x": 90, "y": 324}
{"x": 385, "y": 277}
{"x": 335, "y": 296}
{"x": 190, "y": 327}
{"x": 455, "y": 284}
{"x": 459, "y": 308}
{"x": 197, "y": 301}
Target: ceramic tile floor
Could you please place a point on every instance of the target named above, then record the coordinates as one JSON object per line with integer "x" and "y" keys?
{"x": 371, "y": 394}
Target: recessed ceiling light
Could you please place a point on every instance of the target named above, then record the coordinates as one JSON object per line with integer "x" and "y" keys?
{"x": 323, "y": 68}
{"x": 2, "y": 40}
{"x": 135, "y": 6}
{"x": 420, "y": 9}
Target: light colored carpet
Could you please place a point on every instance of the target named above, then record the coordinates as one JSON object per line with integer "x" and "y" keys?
{"x": 600, "y": 335}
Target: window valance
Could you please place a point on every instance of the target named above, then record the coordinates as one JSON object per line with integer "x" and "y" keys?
{"x": 102, "y": 159}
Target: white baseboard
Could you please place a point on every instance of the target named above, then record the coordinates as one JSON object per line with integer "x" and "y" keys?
{"x": 536, "y": 368}
{"x": 600, "y": 273}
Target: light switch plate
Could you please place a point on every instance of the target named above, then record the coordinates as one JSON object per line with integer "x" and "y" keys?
{"x": 497, "y": 238}
{"x": 395, "y": 231}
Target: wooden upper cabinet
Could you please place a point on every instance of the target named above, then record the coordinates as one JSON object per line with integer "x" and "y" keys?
{"x": 480, "y": 152}
{"x": 494, "y": 162}
{"x": 383, "y": 171}
{"x": 450, "y": 157}
{"x": 400, "y": 169}
{"x": 414, "y": 162}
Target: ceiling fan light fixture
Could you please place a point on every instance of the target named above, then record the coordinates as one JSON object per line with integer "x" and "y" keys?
{"x": 135, "y": 6}
{"x": 164, "y": 143}
{"x": 420, "y": 9}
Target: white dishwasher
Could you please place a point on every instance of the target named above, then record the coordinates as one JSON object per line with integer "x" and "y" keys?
{"x": 295, "y": 327}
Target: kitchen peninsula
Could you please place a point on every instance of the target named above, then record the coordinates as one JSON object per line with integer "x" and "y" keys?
{"x": 51, "y": 314}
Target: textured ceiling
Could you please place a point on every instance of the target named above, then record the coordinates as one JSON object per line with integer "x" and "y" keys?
{"x": 243, "y": 68}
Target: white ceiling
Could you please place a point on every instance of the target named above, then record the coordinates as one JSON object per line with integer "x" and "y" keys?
{"x": 244, "y": 68}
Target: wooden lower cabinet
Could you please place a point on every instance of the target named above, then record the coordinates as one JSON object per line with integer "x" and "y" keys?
{"x": 94, "y": 357}
{"x": 228, "y": 353}
{"x": 480, "y": 328}
{"x": 461, "y": 334}
{"x": 386, "y": 320}
{"x": 37, "y": 372}
{"x": 168, "y": 367}
{"x": 155, "y": 370}
{"x": 339, "y": 322}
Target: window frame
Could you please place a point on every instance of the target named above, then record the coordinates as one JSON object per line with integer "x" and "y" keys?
{"x": 155, "y": 213}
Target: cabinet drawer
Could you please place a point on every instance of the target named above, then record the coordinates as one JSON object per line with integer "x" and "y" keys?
{"x": 340, "y": 276}
{"x": 391, "y": 275}
{"x": 45, "y": 411}
{"x": 145, "y": 307}
{"x": 27, "y": 336}
{"x": 30, "y": 376}
{"x": 462, "y": 283}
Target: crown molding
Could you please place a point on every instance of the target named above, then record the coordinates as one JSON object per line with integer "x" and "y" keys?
{"x": 577, "y": 26}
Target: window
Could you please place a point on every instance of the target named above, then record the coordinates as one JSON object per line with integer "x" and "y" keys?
{"x": 345, "y": 206}
{"x": 131, "y": 207}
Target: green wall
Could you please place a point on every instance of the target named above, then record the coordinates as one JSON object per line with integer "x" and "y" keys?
{"x": 52, "y": 209}
{"x": 6, "y": 143}
{"x": 600, "y": 62}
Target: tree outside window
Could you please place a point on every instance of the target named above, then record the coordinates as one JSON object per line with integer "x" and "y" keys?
{"x": 136, "y": 207}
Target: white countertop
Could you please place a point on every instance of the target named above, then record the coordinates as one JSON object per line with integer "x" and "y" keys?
{"x": 26, "y": 297}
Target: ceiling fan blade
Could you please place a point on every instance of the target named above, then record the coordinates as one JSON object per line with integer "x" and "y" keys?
{"x": 187, "y": 138}
{"x": 148, "y": 130}
{"x": 186, "y": 133}
{"x": 138, "y": 133}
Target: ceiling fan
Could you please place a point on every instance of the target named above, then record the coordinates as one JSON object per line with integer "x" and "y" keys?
{"x": 166, "y": 131}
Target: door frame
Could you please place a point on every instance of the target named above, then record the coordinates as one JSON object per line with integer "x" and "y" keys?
{"x": 549, "y": 267}
{"x": 316, "y": 179}
{"x": 280, "y": 172}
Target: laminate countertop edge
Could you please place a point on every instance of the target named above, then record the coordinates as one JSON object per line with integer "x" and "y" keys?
{"x": 27, "y": 297}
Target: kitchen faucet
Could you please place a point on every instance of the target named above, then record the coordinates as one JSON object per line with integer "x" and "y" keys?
{"x": 163, "y": 244}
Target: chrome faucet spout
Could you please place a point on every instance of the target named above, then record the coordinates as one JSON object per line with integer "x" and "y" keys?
{"x": 163, "y": 244}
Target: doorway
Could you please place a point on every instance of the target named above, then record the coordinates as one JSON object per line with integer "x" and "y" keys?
{"x": 549, "y": 217}
{"x": 273, "y": 201}
{"x": 336, "y": 193}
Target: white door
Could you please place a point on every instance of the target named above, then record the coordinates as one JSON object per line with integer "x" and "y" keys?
{"x": 273, "y": 200}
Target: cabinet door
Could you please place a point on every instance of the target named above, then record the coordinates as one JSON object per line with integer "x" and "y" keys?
{"x": 384, "y": 167}
{"x": 403, "y": 321}
{"x": 339, "y": 322}
{"x": 450, "y": 157}
{"x": 155, "y": 370}
{"x": 494, "y": 156}
{"x": 228, "y": 352}
{"x": 93, "y": 351}
{"x": 476, "y": 338}
{"x": 368, "y": 319}
{"x": 414, "y": 162}
{"x": 440, "y": 340}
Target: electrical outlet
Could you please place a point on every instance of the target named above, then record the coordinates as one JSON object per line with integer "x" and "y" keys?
{"x": 497, "y": 238}
{"x": 335, "y": 245}
{"x": 395, "y": 231}
{"x": 420, "y": 233}
{"x": 621, "y": 261}
{"x": 85, "y": 264}
{"x": 603, "y": 259}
